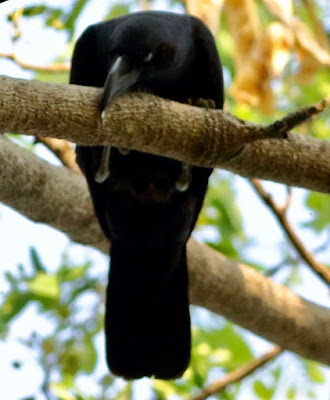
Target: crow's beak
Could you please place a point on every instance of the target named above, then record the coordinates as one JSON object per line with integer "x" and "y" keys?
{"x": 122, "y": 75}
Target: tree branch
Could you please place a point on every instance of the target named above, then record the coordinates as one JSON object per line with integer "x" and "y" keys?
{"x": 190, "y": 134}
{"x": 56, "y": 67}
{"x": 320, "y": 269}
{"x": 238, "y": 374}
{"x": 57, "y": 189}
{"x": 63, "y": 150}
{"x": 59, "y": 198}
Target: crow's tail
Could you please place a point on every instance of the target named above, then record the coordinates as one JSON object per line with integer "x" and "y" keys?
{"x": 147, "y": 318}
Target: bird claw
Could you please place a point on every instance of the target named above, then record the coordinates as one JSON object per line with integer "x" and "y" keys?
{"x": 189, "y": 101}
{"x": 205, "y": 103}
{"x": 182, "y": 184}
{"x": 124, "y": 151}
{"x": 209, "y": 104}
{"x": 103, "y": 172}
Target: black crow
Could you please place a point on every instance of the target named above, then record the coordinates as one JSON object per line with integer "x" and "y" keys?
{"x": 147, "y": 205}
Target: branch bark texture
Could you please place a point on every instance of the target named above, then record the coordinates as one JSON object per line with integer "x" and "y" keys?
{"x": 59, "y": 198}
{"x": 45, "y": 193}
{"x": 211, "y": 138}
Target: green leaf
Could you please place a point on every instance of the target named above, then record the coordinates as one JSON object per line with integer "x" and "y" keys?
{"x": 32, "y": 11}
{"x": 55, "y": 77}
{"x": 74, "y": 14}
{"x": 220, "y": 212}
{"x": 164, "y": 389}
{"x": 276, "y": 372}
{"x": 71, "y": 273}
{"x": 45, "y": 285}
{"x": 88, "y": 355}
{"x": 311, "y": 395}
{"x": 10, "y": 278}
{"x": 36, "y": 261}
{"x": 226, "y": 396}
{"x": 291, "y": 393}
{"x": 314, "y": 92}
{"x": 198, "y": 368}
{"x": 61, "y": 391}
{"x": 320, "y": 204}
{"x": 53, "y": 20}
{"x": 228, "y": 346}
{"x": 117, "y": 10}
{"x": 13, "y": 305}
{"x": 52, "y": 15}
{"x": 262, "y": 391}
{"x": 314, "y": 371}
{"x": 126, "y": 393}
{"x": 69, "y": 361}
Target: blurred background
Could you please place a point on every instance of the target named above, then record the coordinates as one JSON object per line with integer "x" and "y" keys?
{"x": 276, "y": 58}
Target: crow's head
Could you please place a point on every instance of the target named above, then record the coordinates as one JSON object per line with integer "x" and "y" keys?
{"x": 144, "y": 50}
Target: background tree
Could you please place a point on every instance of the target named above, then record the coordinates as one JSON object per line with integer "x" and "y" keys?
{"x": 276, "y": 58}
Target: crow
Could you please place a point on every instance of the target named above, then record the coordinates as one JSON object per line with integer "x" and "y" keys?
{"x": 147, "y": 205}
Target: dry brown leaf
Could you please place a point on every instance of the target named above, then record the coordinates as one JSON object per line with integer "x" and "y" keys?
{"x": 252, "y": 80}
{"x": 304, "y": 37}
{"x": 259, "y": 56}
{"x": 320, "y": 33}
{"x": 283, "y": 9}
{"x": 309, "y": 43}
{"x": 309, "y": 66}
{"x": 252, "y": 55}
{"x": 244, "y": 26}
{"x": 281, "y": 43}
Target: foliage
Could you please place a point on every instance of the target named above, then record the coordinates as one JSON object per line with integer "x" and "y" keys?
{"x": 69, "y": 349}
{"x": 68, "y": 352}
{"x": 221, "y": 216}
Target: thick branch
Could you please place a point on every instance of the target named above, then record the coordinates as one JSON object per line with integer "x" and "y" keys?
{"x": 148, "y": 123}
{"x": 46, "y": 194}
{"x": 58, "y": 197}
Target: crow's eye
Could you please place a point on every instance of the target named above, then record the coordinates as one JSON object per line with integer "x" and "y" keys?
{"x": 148, "y": 57}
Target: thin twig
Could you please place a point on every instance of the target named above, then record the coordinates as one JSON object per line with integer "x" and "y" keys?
{"x": 56, "y": 67}
{"x": 287, "y": 203}
{"x": 238, "y": 374}
{"x": 297, "y": 117}
{"x": 280, "y": 213}
{"x": 63, "y": 150}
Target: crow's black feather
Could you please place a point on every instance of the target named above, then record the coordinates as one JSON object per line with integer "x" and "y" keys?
{"x": 147, "y": 205}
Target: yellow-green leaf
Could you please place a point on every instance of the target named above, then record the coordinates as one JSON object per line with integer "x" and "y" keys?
{"x": 45, "y": 285}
